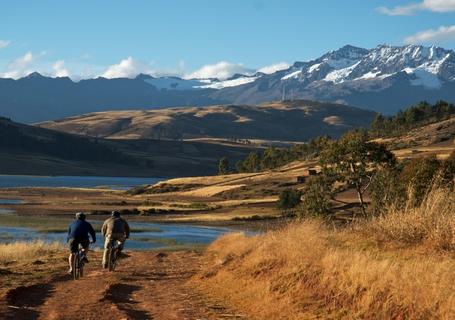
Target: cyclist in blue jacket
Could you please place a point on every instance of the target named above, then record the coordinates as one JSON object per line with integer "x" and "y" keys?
{"x": 78, "y": 233}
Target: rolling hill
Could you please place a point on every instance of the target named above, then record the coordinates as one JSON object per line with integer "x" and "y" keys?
{"x": 32, "y": 150}
{"x": 289, "y": 121}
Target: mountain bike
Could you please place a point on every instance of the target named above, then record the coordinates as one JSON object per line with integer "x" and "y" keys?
{"x": 78, "y": 264}
{"x": 113, "y": 255}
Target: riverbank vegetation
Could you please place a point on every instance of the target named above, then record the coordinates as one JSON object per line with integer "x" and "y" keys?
{"x": 25, "y": 251}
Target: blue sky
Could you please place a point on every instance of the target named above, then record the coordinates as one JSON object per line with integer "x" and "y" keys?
{"x": 202, "y": 37}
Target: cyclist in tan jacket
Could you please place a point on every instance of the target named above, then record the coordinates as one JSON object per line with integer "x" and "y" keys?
{"x": 114, "y": 228}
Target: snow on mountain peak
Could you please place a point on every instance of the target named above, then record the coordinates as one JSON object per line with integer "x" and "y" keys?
{"x": 423, "y": 66}
{"x": 427, "y": 66}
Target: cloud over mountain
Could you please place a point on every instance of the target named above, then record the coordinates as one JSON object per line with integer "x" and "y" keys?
{"x": 274, "y": 67}
{"x": 19, "y": 67}
{"x": 439, "y": 35}
{"x": 127, "y": 68}
{"x": 221, "y": 70}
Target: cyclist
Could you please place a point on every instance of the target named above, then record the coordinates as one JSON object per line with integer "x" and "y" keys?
{"x": 78, "y": 233}
{"x": 114, "y": 228}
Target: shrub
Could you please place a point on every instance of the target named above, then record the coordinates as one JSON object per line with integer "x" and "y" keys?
{"x": 316, "y": 197}
{"x": 223, "y": 166}
{"x": 419, "y": 175}
{"x": 289, "y": 199}
{"x": 386, "y": 189}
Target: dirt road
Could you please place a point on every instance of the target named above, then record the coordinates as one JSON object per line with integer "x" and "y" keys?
{"x": 146, "y": 285}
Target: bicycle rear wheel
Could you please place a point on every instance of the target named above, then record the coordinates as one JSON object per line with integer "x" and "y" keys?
{"x": 75, "y": 267}
{"x": 81, "y": 269}
{"x": 112, "y": 259}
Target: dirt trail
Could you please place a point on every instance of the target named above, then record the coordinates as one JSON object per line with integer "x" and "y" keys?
{"x": 146, "y": 285}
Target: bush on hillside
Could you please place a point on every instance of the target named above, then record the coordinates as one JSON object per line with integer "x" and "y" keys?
{"x": 410, "y": 183}
{"x": 289, "y": 199}
{"x": 316, "y": 197}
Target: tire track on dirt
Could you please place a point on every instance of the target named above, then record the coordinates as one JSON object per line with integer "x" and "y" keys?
{"x": 146, "y": 285}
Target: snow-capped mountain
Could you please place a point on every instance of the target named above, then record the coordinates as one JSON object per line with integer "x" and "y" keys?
{"x": 384, "y": 79}
{"x": 429, "y": 66}
{"x": 176, "y": 83}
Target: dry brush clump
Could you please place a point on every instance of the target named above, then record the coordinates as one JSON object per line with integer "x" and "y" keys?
{"x": 27, "y": 250}
{"x": 432, "y": 223}
{"x": 306, "y": 270}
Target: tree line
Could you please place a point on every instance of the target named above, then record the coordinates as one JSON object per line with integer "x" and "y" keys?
{"x": 421, "y": 114}
{"x": 273, "y": 157}
{"x": 415, "y": 116}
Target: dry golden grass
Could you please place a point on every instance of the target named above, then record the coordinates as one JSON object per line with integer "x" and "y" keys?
{"x": 432, "y": 223}
{"x": 307, "y": 271}
{"x": 27, "y": 250}
{"x": 210, "y": 191}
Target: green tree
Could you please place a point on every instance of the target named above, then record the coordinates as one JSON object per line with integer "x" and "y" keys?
{"x": 354, "y": 160}
{"x": 289, "y": 199}
{"x": 223, "y": 166}
{"x": 316, "y": 197}
{"x": 252, "y": 163}
{"x": 378, "y": 124}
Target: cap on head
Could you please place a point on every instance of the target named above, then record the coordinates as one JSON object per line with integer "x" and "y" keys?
{"x": 80, "y": 216}
{"x": 115, "y": 214}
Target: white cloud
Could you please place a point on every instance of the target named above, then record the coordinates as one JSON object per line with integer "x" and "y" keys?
{"x": 19, "y": 67}
{"x": 274, "y": 67}
{"x": 430, "y": 5}
{"x": 127, "y": 68}
{"x": 4, "y": 43}
{"x": 400, "y": 10}
{"x": 22, "y": 61}
{"x": 442, "y": 34}
{"x": 221, "y": 70}
{"x": 439, "y": 5}
{"x": 59, "y": 69}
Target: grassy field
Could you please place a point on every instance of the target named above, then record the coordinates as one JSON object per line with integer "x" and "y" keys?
{"x": 27, "y": 250}
{"x": 399, "y": 266}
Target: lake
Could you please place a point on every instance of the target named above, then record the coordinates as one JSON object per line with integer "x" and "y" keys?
{"x": 148, "y": 235}
{"x": 144, "y": 235}
{"x": 116, "y": 183}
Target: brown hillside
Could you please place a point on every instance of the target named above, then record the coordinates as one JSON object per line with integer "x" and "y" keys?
{"x": 289, "y": 120}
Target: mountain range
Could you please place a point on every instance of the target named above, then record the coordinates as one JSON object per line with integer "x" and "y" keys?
{"x": 383, "y": 79}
